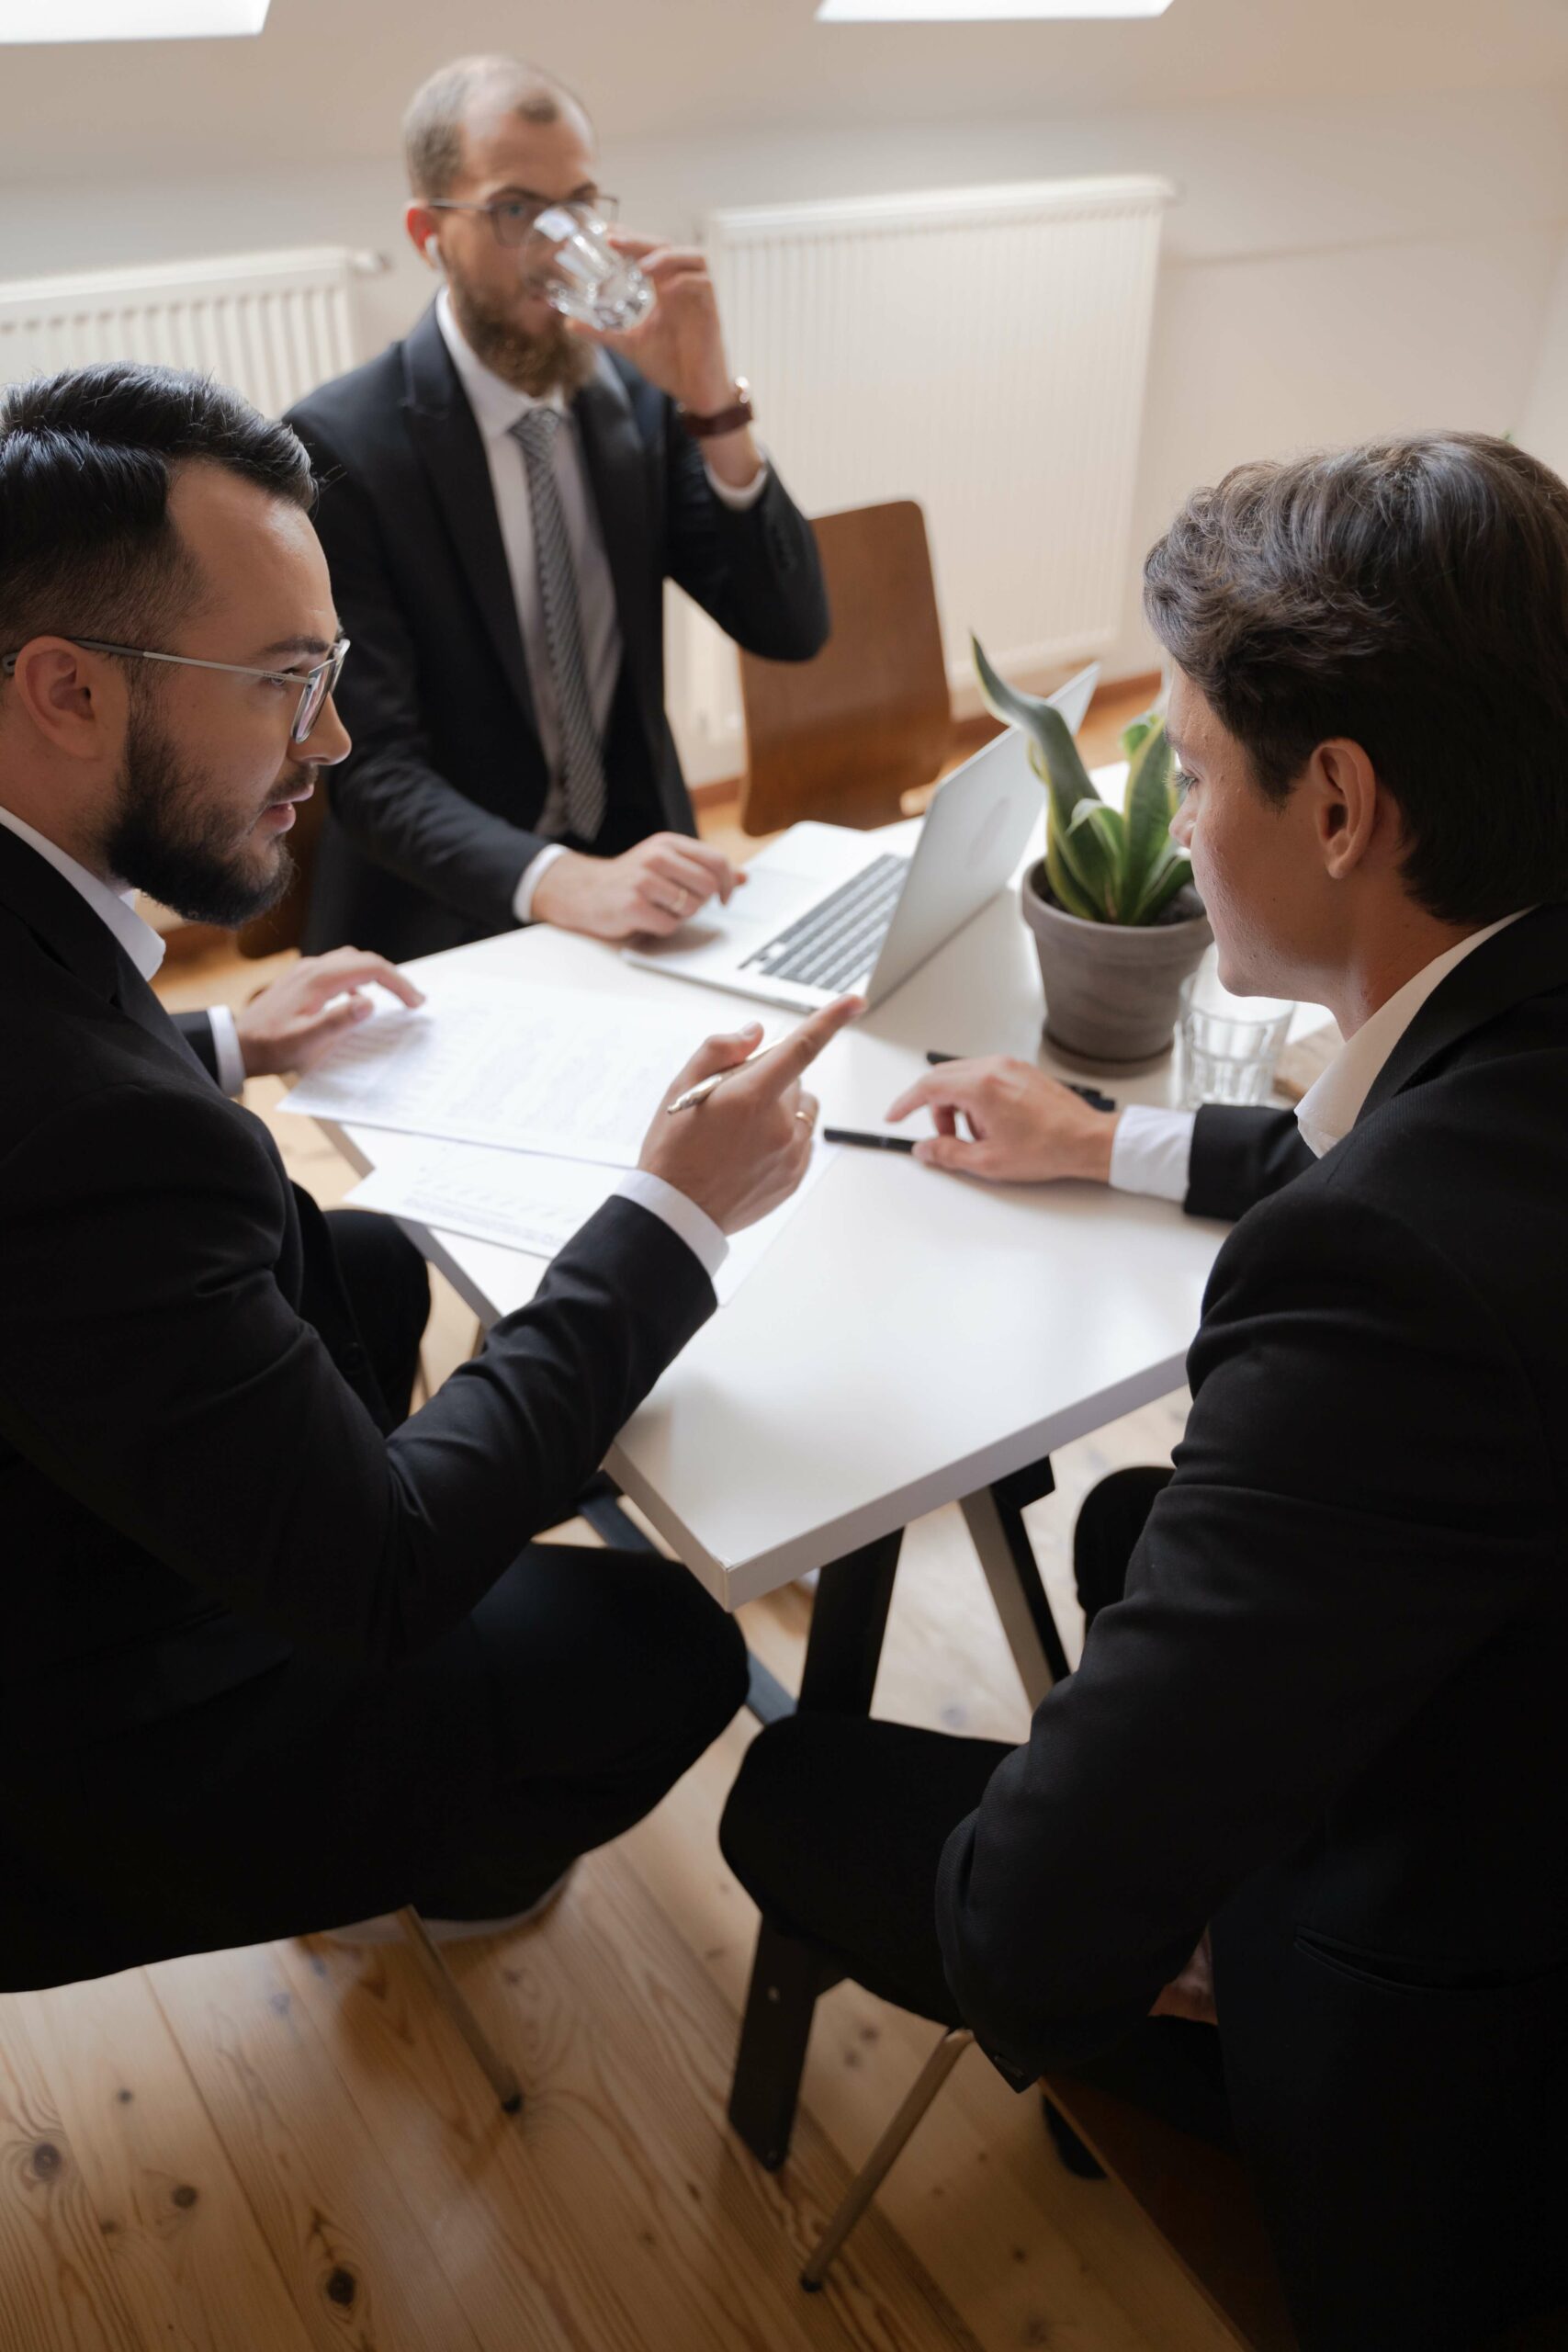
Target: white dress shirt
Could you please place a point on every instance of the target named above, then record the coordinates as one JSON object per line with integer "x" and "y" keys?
{"x": 497, "y": 406}
{"x": 145, "y": 948}
{"x": 1152, "y": 1149}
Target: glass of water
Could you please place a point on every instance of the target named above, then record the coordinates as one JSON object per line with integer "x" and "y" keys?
{"x": 583, "y": 277}
{"x": 1230, "y": 1044}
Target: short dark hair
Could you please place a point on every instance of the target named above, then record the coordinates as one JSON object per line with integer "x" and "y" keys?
{"x": 1411, "y": 595}
{"x": 438, "y": 113}
{"x": 87, "y": 459}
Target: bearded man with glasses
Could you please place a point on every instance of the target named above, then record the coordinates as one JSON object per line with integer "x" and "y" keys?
{"x": 273, "y": 1653}
{"x": 504, "y": 496}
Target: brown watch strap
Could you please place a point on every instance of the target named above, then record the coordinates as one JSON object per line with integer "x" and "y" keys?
{"x": 724, "y": 419}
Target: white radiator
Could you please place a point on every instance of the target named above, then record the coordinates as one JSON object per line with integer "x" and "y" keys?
{"x": 983, "y": 350}
{"x": 274, "y": 325}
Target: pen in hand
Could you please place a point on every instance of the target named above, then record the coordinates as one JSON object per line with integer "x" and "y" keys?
{"x": 1089, "y": 1094}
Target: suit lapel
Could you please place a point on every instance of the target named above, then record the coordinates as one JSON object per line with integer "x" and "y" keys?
{"x": 451, "y": 449}
{"x": 617, "y": 461}
{"x": 1530, "y": 959}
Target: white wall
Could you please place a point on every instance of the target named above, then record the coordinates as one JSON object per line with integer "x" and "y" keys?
{"x": 1331, "y": 271}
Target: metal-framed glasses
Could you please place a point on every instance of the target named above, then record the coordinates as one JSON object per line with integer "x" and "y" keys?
{"x": 511, "y": 217}
{"x": 315, "y": 684}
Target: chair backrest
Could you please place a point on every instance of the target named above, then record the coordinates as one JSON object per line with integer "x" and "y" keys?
{"x": 843, "y": 737}
{"x": 285, "y": 925}
{"x": 1199, "y": 2202}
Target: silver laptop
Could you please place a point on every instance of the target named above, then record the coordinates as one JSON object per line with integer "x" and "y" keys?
{"x": 825, "y": 910}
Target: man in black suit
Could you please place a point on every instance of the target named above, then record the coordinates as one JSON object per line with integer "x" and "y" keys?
{"x": 273, "y": 1656}
{"x": 1311, "y": 1778}
{"x": 502, "y": 499}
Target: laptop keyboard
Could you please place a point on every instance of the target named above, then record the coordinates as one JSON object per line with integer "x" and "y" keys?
{"x": 836, "y": 941}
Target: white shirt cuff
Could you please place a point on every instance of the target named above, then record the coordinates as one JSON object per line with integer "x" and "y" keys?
{"x": 1152, "y": 1152}
{"x": 694, "y": 1226}
{"x": 738, "y": 500}
{"x": 226, "y": 1049}
{"x": 532, "y": 875}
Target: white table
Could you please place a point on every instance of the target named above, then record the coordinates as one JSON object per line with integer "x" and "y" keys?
{"x": 910, "y": 1339}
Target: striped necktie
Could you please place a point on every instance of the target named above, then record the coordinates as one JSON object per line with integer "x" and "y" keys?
{"x": 582, "y": 761}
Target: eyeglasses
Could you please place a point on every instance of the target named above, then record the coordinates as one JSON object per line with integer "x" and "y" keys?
{"x": 315, "y": 684}
{"x": 512, "y": 217}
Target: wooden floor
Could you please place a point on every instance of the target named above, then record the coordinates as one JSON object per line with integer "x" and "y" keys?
{"x": 287, "y": 2148}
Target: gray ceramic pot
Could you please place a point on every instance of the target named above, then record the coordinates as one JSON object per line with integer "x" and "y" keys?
{"x": 1114, "y": 990}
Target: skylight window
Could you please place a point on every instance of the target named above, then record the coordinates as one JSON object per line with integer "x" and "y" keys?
{"x": 963, "y": 12}
{"x": 55, "y": 20}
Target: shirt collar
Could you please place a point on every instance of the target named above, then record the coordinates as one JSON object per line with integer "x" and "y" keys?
{"x": 1332, "y": 1104}
{"x": 497, "y": 405}
{"x": 116, "y": 908}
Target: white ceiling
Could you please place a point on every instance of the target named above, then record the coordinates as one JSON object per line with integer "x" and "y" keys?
{"x": 328, "y": 78}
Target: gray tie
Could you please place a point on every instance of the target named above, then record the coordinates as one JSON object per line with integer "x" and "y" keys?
{"x": 580, "y": 759}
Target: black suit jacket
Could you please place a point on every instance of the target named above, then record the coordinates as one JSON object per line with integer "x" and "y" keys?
{"x": 1328, "y": 1717}
{"x": 196, "y": 1474}
{"x": 431, "y": 816}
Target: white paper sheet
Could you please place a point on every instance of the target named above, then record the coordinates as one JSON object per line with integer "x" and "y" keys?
{"x": 531, "y": 1204}
{"x": 506, "y": 1062}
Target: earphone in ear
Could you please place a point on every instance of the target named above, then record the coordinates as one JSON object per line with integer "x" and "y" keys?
{"x": 432, "y": 251}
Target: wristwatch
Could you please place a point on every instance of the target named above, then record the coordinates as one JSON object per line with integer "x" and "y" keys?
{"x": 724, "y": 419}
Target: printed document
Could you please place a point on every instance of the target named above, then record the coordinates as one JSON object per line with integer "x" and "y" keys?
{"x": 501, "y": 1061}
{"x": 529, "y": 1202}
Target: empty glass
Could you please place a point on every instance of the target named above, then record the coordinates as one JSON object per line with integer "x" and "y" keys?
{"x": 1230, "y": 1044}
{"x": 585, "y": 277}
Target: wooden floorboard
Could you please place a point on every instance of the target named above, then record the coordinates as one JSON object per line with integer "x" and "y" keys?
{"x": 356, "y": 2190}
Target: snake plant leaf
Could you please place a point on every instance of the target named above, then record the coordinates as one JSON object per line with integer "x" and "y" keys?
{"x": 1050, "y": 738}
{"x": 1063, "y": 889}
{"x": 1134, "y": 735}
{"x": 1172, "y": 871}
{"x": 1093, "y": 846}
{"x": 1150, "y": 806}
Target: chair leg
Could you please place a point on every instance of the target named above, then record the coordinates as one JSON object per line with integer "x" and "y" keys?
{"x": 885, "y": 2154}
{"x": 444, "y": 1984}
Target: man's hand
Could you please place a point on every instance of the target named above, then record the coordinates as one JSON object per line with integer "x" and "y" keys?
{"x": 1024, "y": 1127}
{"x": 651, "y": 889}
{"x": 291, "y": 1023}
{"x": 746, "y": 1149}
{"x": 680, "y": 347}
{"x": 1192, "y": 1994}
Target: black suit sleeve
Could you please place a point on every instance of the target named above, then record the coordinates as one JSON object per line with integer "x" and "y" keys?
{"x": 389, "y": 796}
{"x": 1239, "y": 1156}
{"x": 162, "y": 1379}
{"x": 755, "y": 570}
{"x": 1303, "y": 1586}
{"x": 195, "y": 1028}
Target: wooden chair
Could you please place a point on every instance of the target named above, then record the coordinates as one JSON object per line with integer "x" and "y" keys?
{"x": 501, "y": 2078}
{"x": 843, "y": 737}
{"x": 1195, "y": 2196}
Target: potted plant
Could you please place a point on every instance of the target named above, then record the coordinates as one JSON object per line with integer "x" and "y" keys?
{"x": 1117, "y": 924}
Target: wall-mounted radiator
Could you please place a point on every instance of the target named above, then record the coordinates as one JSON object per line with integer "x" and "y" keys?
{"x": 983, "y": 350}
{"x": 272, "y": 324}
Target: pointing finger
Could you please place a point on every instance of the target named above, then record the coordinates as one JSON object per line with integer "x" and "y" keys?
{"x": 786, "y": 1064}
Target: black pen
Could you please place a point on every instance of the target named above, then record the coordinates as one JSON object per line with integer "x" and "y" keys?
{"x": 868, "y": 1142}
{"x": 1089, "y": 1094}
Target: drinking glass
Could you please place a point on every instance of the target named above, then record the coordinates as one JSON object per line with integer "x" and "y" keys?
{"x": 1230, "y": 1044}
{"x": 585, "y": 277}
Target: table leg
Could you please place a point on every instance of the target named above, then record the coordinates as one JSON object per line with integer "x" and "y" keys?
{"x": 995, "y": 1520}
{"x": 849, "y": 1618}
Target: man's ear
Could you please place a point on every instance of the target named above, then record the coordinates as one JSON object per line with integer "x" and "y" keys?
{"x": 74, "y": 700}
{"x": 421, "y": 223}
{"x": 1348, "y": 804}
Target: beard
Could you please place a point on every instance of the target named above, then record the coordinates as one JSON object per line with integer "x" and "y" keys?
{"x": 171, "y": 840}
{"x": 554, "y": 360}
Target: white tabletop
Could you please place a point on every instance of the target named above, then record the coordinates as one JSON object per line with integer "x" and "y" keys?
{"x": 910, "y": 1335}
